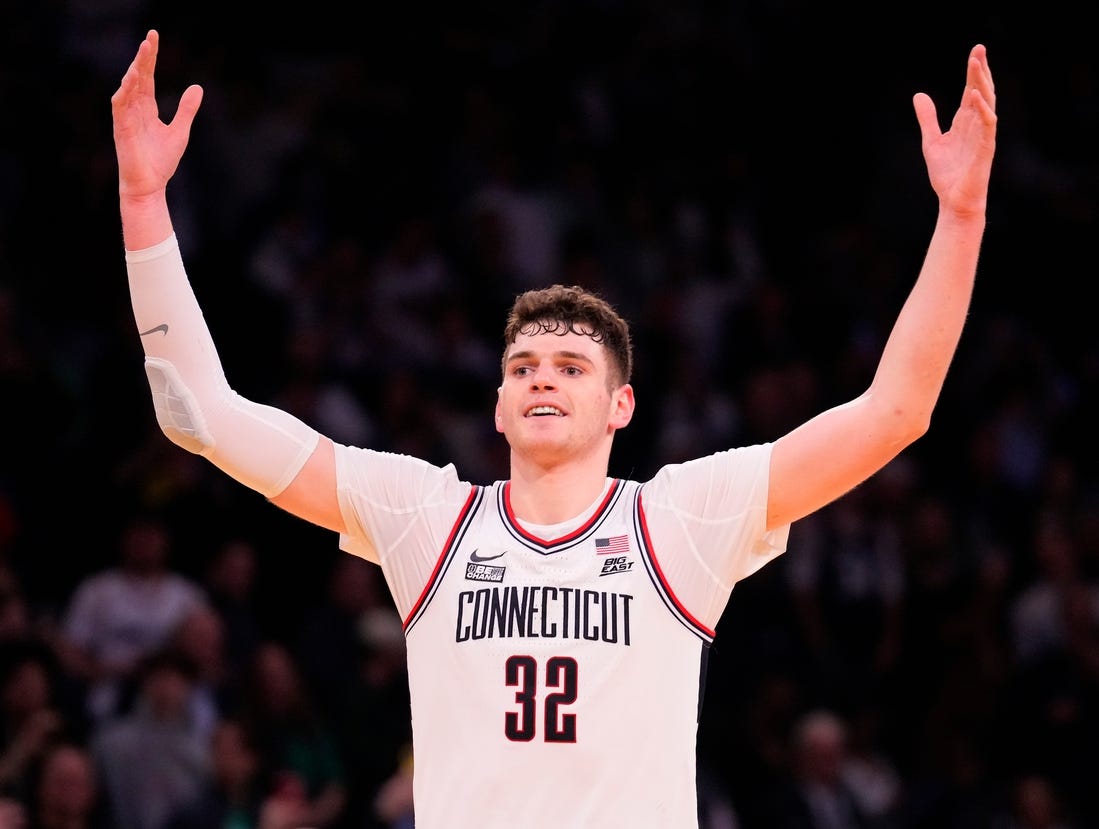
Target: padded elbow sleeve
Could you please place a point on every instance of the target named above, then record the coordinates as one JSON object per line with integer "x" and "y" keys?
{"x": 260, "y": 446}
{"x": 177, "y": 412}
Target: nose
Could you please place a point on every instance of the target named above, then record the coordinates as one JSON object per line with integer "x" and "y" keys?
{"x": 542, "y": 378}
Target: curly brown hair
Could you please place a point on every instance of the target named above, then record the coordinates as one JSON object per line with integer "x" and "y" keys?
{"x": 561, "y": 309}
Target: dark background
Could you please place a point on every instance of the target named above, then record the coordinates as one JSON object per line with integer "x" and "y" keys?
{"x": 744, "y": 179}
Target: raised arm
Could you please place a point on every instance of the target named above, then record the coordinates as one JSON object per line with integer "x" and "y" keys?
{"x": 264, "y": 448}
{"x": 839, "y": 448}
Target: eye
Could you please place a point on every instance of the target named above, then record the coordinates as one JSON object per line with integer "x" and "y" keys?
{"x": 573, "y": 371}
{"x": 521, "y": 371}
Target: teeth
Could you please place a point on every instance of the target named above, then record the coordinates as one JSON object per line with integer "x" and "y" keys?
{"x": 544, "y": 410}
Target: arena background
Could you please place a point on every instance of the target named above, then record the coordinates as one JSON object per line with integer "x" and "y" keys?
{"x": 365, "y": 192}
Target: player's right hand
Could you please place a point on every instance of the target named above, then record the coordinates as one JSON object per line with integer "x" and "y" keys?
{"x": 148, "y": 149}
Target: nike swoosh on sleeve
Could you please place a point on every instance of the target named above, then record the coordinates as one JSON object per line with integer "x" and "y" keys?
{"x": 162, "y": 328}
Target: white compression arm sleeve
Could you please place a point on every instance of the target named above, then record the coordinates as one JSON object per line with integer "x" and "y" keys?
{"x": 260, "y": 446}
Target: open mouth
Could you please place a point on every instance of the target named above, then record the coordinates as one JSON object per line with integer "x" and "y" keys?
{"x": 545, "y": 411}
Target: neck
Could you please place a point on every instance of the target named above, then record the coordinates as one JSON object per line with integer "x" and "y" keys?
{"x": 550, "y": 495}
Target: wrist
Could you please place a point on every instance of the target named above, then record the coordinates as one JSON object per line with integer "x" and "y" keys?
{"x": 145, "y": 219}
{"x": 130, "y": 196}
{"x": 963, "y": 211}
{"x": 964, "y": 207}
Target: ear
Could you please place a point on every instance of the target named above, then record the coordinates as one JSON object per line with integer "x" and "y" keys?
{"x": 499, "y": 418}
{"x": 622, "y": 406}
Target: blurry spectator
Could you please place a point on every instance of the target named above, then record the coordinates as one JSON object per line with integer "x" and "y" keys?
{"x": 376, "y": 727}
{"x": 1034, "y": 803}
{"x": 23, "y": 621}
{"x": 1053, "y": 694}
{"x": 30, "y": 720}
{"x": 1039, "y": 614}
{"x": 817, "y": 795}
{"x": 237, "y": 793}
{"x": 411, "y": 420}
{"x": 956, "y": 596}
{"x": 293, "y": 734}
{"x": 870, "y": 771}
{"x": 848, "y": 584}
{"x": 315, "y": 393}
{"x": 288, "y": 806}
{"x": 230, "y": 585}
{"x": 950, "y": 785}
{"x": 268, "y": 136}
{"x": 466, "y": 366}
{"x": 328, "y": 647}
{"x": 763, "y": 759}
{"x": 526, "y": 215}
{"x": 696, "y": 418}
{"x": 956, "y": 648}
{"x": 392, "y": 804}
{"x": 26, "y": 635}
{"x": 66, "y": 792}
{"x": 153, "y": 758}
{"x": 26, "y": 374}
{"x": 715, "y": 809}
{"x": 121, "y": 614}
{"x": 12, "y": 814}
{"x": 200, "y": 639}
{"x": 1019, "y": 425}
{"x": 167, "y": 488}
{"x": 15, "y": 618}
{"x": 409, "y": 281}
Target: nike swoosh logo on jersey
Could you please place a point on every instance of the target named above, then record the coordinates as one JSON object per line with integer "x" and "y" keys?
{"x": 476, "y": 558}
{"x": 162, "y": 328}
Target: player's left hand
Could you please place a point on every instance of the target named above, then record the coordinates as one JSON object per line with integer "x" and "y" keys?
{"x": 959, "y": 161}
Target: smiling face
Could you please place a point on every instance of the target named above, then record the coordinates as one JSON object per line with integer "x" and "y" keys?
{"x": 558, "y": 401}
{"x": 566, "y": 368}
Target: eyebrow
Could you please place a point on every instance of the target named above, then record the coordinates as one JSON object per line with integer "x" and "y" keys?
{"x": 557, "y": 355}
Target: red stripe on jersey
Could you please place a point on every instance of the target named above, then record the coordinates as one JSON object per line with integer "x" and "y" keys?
{"x": 442, "y": 557}
{"x": 647, "y": 539}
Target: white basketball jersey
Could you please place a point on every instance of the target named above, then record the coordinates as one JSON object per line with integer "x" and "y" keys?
{"x": 555, "y": 679}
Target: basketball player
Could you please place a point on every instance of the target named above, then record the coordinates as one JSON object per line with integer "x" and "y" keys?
{"x": 556, "y": 623}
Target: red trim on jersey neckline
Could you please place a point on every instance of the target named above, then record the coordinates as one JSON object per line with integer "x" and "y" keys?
{"x": 513, "y": 522}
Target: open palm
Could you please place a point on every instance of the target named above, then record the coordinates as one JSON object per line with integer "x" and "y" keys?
{"x": 148, "y": 149}
{"x": 959, "y": 161}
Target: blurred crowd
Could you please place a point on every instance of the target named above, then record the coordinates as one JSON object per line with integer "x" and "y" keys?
{"x": 359, "y": 205}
